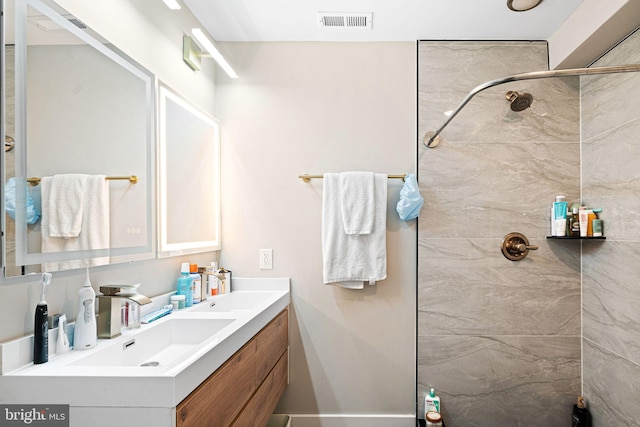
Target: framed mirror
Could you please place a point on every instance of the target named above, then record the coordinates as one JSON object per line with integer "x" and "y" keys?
{"x": 81, "y": 114}
{"x": 189, "y": 146}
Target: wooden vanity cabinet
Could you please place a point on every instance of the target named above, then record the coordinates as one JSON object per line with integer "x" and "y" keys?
{"x": 245, "y": 390}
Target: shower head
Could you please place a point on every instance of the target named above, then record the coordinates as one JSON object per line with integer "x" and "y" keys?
{"x": 519, "y": 101}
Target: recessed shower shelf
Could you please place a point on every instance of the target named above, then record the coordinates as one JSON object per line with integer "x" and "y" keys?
{"x": 576, "y": 238}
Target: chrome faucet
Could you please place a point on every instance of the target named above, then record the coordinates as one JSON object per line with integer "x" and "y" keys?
{"x": 109, "y": 309}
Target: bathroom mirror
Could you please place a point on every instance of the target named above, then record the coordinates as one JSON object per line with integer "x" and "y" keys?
{"x": 189, "y": 146}
{"x": 73, "y": 104}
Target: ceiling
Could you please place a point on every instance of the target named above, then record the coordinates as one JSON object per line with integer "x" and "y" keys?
{"x": 392, "y": 20}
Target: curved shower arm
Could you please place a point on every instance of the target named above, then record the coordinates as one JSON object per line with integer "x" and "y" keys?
{"x": 434, "y": 136}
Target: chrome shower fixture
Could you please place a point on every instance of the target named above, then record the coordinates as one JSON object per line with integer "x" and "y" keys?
{"x": 519, "y": 101}
{"x": 432, "y": 139}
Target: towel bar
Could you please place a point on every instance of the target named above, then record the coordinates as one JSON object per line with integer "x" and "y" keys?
{"x": 307, "y": 177}
{"x": 133, "y": 179}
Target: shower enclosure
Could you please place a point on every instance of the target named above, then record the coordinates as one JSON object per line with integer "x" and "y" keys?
{"x": 515, "y": 343}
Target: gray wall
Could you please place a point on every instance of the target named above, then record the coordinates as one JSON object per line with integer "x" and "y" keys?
{"x": 611, "y": 296}
{"x": 498, "y": 340}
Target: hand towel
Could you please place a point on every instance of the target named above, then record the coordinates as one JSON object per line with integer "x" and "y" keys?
{"x": 95, "y": 228}
{"x": 350, "y": 260}
{"x": 357, "y": 202}
{"x": 66, "y": 200}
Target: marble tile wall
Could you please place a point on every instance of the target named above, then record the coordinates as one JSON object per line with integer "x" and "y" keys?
{"x": 611, "y": 295}
{"x": 499, "y": 340}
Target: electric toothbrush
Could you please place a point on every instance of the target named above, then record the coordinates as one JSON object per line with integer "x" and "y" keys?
{"x": 41, "y": 326}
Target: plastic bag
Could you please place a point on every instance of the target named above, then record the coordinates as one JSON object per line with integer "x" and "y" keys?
{"x": 33, "y": 213}
{"x": 410, "y": 199}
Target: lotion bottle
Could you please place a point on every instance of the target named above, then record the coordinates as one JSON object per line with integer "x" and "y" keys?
{"x": 41, "y": 326}
{"x": 85, "y": 334}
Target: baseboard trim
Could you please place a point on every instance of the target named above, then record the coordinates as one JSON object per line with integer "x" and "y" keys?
{"x": 353, "y": 420}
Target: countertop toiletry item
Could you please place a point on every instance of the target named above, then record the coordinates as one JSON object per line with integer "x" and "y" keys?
{"x": 41, "y": 326}
{"x": 225, "y": 284}
{"x": 583, "y": 215}
{"x": 196, "y": 284}
{"x": 157, "y": 314}
{"x": 62, "y": 345}
{"x": 431, "y": 402}
{"x": 184, "y": 284}
{"x": 179, "y": 301}
{"x": 560, "y": 216}
{"x": 581, "y": 416}
{"x": 433, "y": 418}
{"x": 85, "y": 334}
{"x": 213, "y": 283}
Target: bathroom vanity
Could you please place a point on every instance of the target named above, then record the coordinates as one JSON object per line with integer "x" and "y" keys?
{"x": 222, "y": 362}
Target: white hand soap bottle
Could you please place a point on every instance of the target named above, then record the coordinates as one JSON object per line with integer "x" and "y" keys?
{"x": 85, "y": 334}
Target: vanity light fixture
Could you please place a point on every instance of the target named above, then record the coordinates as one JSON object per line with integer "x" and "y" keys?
{"x": 522, "y": 5}
{"x": 172, "y": 4}
{"x": 192, "y": 54}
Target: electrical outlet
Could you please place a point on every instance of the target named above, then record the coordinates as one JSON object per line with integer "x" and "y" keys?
{"x": 266, "y": 259}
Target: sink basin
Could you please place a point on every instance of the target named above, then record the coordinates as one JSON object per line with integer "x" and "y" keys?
{"x": 235, "y": 301}
{"x": 162, "y": 345}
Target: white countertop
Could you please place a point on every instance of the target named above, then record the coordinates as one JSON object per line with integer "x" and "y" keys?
{"x": 63, "y": 381}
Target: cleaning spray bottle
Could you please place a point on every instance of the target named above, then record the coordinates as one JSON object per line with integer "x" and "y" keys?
{"x": 85, "y": 334}
{"x": 41, "y": 326}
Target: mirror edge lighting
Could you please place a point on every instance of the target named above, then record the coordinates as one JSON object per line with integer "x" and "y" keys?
{"x": 164, "y": 248}
{"x": 118, "y": 255}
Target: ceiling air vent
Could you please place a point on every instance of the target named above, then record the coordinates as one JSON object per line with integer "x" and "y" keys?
{"x": 345, "y": 20}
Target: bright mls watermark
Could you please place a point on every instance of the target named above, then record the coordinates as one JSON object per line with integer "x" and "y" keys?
{"x": 34, "y": 415}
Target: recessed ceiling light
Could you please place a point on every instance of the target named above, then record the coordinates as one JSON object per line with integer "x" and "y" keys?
{"x": 522, "y": 5}
{"x": 172, "y": 4}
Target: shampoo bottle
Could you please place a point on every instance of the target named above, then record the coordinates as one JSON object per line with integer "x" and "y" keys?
{"x": 581, "y": 416}
{"x": 85, "y": 334}
{"x": 41, "y": 326}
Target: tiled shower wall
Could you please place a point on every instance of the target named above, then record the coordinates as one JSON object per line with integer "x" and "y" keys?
{"x": 611, "y": 271}
{"x": 498, "y": 340}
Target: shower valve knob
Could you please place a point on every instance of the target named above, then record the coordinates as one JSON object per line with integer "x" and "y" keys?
{"x": 515, "y": 246}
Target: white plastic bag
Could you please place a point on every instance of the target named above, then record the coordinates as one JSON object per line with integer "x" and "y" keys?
{"x": 410, "y": 201}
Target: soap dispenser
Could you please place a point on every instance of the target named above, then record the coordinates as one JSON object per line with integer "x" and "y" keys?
{"x": 85, "y": 334}
{"x": 41, "y": 326}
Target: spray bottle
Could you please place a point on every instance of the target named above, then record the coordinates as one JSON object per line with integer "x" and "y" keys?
{"x": 85, "y": 334}
{"x": 41, "y": 326}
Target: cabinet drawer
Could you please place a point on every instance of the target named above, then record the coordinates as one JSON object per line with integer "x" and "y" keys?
{"x": 269, "y": 393}
{"x": 271, "y": 342}
{"x": 219, "y": 399}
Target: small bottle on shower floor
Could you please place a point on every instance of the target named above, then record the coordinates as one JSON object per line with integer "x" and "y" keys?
{"x": 581, "y": 416}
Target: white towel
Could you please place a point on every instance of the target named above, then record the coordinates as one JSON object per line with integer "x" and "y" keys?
{"x": 95, "y": 230}
{"x": 66, "y": 201}
{"x": 351, "y": 260}
{"x": 357, "y": 202}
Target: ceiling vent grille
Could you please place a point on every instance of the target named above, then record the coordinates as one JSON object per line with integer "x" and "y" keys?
{"x": 345, "y": 20}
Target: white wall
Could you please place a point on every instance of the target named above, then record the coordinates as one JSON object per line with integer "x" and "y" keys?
{"x": 313, "y": 108}
{"x": 152, "y": 34}
{"x": 591, "y": 30}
